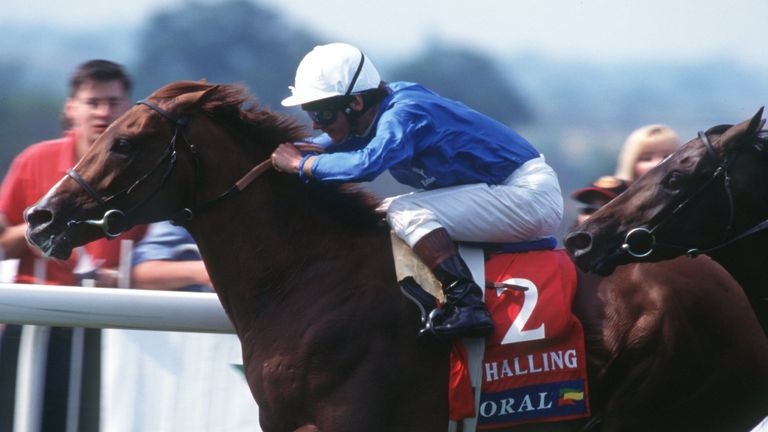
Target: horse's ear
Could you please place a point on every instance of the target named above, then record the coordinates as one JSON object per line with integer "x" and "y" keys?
{"x": 193, "y": 100}
{"x": 747, "y": 128}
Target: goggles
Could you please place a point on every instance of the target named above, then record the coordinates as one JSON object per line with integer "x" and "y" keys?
{"x": 323, "y": 118}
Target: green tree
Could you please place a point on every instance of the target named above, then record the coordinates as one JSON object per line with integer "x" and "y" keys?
{"x": 234, "y": 41}
{"x": 26, "y": 115}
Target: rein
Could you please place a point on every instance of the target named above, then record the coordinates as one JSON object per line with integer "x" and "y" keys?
{"x": 640, "y": 242}
{"x": 112, "y": 223}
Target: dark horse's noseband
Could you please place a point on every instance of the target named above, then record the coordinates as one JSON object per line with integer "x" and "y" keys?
{"x": 640, "y": 242}
{"x": 113, "y": 223}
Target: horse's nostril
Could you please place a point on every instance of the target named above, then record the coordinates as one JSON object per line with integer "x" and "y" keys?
{"x": 578, "y": 241}
{"x": 36, "y": 216}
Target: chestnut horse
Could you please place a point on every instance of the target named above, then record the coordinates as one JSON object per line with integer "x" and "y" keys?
{"x": 305, "y": 274}
{"x": 710, "y": 197}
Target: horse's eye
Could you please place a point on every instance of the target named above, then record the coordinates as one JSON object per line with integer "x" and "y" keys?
{"x": 674, "y": 181}
{"x": 122, "y": 146}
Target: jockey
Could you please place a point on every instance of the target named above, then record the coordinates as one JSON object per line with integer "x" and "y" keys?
{"x": 481, "y": 181}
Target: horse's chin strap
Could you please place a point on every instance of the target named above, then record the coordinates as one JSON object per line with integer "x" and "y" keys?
{"x": 755, "y": 229}
{"x": 635, "y": 238}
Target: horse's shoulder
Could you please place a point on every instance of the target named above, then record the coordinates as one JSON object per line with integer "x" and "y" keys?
{"x": 676, "y": 272}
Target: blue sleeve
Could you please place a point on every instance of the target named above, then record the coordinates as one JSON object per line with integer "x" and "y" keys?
{"x": 322, "y": 140}
{"x": 396, "y": 135}
{"x": 165, "y": 241}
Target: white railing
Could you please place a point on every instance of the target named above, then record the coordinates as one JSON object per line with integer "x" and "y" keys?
{"x": 42, "y": 306}
{"x": 65, "y": 306}
{"x": 62, "y": 306}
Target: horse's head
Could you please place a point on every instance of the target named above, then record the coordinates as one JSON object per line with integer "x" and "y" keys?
{"x": 150, "y": 165}
{"x": 711, "y": 191}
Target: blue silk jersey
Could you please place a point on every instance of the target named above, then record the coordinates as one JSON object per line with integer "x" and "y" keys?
{"x": 425, "y": 141}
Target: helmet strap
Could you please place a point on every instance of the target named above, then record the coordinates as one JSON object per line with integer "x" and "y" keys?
{"x": 354, "y": 116}
{"x": 356, "y": 75}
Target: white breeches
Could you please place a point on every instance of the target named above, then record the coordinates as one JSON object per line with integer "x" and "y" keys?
{"x": 528, "y": 205}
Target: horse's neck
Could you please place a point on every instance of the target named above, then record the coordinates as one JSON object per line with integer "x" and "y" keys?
{"x": 264, "y": 239}
{"x": 262, "y": 246}
{"x": 745, "y": 261}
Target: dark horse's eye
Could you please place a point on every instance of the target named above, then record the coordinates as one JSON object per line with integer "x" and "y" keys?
{"x": 673, "y": 181}
{"x": 122, "y": 146}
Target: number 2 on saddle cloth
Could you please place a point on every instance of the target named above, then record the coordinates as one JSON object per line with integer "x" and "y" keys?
{"x": 534, "y": 368}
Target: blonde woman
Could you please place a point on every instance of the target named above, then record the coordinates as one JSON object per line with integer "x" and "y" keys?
{"x": 645, "y": 148}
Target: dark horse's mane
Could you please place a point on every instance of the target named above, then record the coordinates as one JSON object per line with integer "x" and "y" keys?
{"x": 719, "y": 129}
{"x": 232, "y": 107}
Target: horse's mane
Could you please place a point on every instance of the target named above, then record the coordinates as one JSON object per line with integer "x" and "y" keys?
{"x": 761, "y": 136}
{"x": 231, "y": 106}
{"x": 719, "y": 129}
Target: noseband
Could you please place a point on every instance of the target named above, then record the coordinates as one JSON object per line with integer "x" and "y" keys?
{"x": 640, "y": 242}
{"x": 112, "y": 223}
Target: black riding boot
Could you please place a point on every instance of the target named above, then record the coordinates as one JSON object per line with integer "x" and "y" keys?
{"x": 464, "y": 313}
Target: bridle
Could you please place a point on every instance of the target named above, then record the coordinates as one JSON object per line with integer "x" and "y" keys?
{"x": 640, "y": 242}
{"x": 112, "y": 223}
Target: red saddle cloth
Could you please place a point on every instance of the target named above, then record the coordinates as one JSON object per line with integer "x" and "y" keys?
{"x": 534, "y": 368}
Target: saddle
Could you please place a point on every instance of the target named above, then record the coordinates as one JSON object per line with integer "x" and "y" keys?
{"x": 533, "y": 369}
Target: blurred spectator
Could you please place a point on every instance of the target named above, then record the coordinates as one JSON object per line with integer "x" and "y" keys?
{"x": 645, "y": 148}
{"x": 99, "y": 92}
{"x": 596, "y": 195}
{"x": 167, "y": 259}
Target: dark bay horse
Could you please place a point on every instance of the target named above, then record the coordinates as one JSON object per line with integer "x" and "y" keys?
{"x": 305, "y": 274}
{"x": 710, "y": 197}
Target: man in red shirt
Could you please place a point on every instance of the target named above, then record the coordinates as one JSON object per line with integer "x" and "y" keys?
{"x": 99, "y": 93}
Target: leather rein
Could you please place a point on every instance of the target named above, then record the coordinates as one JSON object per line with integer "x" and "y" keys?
{"x": 640, "y": 242}
{"x": 112, "y": 223}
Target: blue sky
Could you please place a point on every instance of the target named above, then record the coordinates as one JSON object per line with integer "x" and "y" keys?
{"x": 593, "y": 30}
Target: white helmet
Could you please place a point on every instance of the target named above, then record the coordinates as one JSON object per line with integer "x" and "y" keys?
{"x": 336, "y": 69}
